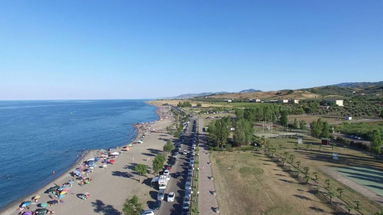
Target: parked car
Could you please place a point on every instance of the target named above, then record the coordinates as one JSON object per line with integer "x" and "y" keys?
{"x": 188, "y": 185}
{"x": 161, "y": 195}
{"x": 162, "y": 186}
{"x": 171, "y": 197}
{"x": 157, "y": 205}
{"x": 185, "y": 206}
{"x": 147, "y": 212}
{"x": 166, "y": 171}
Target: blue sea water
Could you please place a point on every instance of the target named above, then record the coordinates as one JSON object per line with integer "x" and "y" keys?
{"x": 38, "y": 137}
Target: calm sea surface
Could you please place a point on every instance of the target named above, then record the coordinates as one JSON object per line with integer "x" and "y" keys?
{"x": 38, "y": 137}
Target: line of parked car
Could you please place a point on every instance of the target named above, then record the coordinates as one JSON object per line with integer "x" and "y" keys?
{"x": 190, "y": 155}
{"x": 163, "y": 179}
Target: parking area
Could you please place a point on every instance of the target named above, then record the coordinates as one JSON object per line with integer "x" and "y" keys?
{"x": 176, "y": 178}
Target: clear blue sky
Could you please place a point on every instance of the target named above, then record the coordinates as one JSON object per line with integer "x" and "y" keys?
{"x": 145, "y": 49}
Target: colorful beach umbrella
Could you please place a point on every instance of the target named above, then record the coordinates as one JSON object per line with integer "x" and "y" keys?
{"x": 43, "y": 205}
{"x": 53, "y": 202}
{"x": 41, "y": 211}
{"x": 25, "y": 204}
{"x": 27, "y": 213}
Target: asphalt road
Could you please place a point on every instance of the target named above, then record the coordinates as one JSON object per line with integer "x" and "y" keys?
{"x": 178, "y": 177}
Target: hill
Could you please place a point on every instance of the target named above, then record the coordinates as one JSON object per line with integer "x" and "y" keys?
{"x": 337, "y": 91}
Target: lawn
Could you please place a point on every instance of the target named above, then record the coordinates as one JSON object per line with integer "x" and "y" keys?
{"x": 250, "y": 183}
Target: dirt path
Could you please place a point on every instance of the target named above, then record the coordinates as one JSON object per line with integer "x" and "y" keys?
{"x": 206, "y": 200}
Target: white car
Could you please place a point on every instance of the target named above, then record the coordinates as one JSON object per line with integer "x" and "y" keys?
{"x": 188, "y": 185}
{"x": 147, "y": 212}
{"x": 171, "y": 197}
{"x": 166, "y": 173}
{"x": 162, "y": 186}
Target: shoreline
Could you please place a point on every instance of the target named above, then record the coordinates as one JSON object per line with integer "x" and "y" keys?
{"x": 139, "y": 130}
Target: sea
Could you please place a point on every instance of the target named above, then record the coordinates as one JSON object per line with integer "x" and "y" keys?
{"x": 38, "y": 138}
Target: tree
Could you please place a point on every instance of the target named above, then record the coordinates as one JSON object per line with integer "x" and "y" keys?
{"x": 376, "y": 141}
{"x": 325, "y": 130}
{"x": 283, "y": 119}
{"x": 296, "y": 124}
{"x": 331, "y": 195}
{"x": 340, "y": 191}
{"x": 219, "y": 132}
{"x": 298, "y": 163}
{"x": 168, "y": 147}
{"x": 306, "y": 173}
{"x": 302, "y": 124}
{"x": 328, "y": 184}
{"x": 158, "y": 163}
{"x": 141, "y": 169}
{"x": 132, "y": 206}
{"x": 243, "y": 133}
{"x": 381, "y": 114}
{"x": 316, "y": 128}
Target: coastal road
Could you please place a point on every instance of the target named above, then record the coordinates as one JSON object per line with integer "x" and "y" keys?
{"x": 178, "y": 178}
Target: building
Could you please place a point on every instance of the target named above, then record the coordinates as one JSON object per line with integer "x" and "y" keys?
{"x": 285, "y": 101}
{"x": 229, "y": 100}
{"x": 339, "y": 103}
{"x": 257, "y": 100}
{"x": 296, "y": 101}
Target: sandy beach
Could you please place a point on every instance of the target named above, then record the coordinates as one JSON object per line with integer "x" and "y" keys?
{"x": 110, "y": 186}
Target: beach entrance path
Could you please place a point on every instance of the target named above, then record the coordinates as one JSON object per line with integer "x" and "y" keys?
{"x": 207, "y": 201}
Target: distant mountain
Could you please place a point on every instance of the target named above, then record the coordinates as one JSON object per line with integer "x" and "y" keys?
{"x": 359, "y": 84}
{"x": 336, "y": 91}
{"x": 193, "y": 95}
{"x": 249, "y": 91}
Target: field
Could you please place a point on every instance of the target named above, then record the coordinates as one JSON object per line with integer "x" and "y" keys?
{"x": 250, "y": 183}
{"x": 319, "y": 159}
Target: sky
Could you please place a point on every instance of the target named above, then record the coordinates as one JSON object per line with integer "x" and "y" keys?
{"x": 109, "y": 49}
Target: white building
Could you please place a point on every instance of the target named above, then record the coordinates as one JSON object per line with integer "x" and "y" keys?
{"x": 339, "y": 103}
{"x": 257, "y": 100}
{"x": 296, "y": 101}
{"x": 229, "y": 100}
{"x": 285, "y": 101}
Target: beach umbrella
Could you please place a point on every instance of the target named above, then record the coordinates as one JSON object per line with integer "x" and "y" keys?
{"x": 25, "y": 204}
{"x": 36, "y": 198}
{"x": 43, "y": 205}
{"x": 53, "y": 202}
{"x": 111, "y": 161}
{"x": 27, "y": 213}
{"x": 41, "y": 211}
{"x": 82, "y": 196}
{"x": 52, "y": 189}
